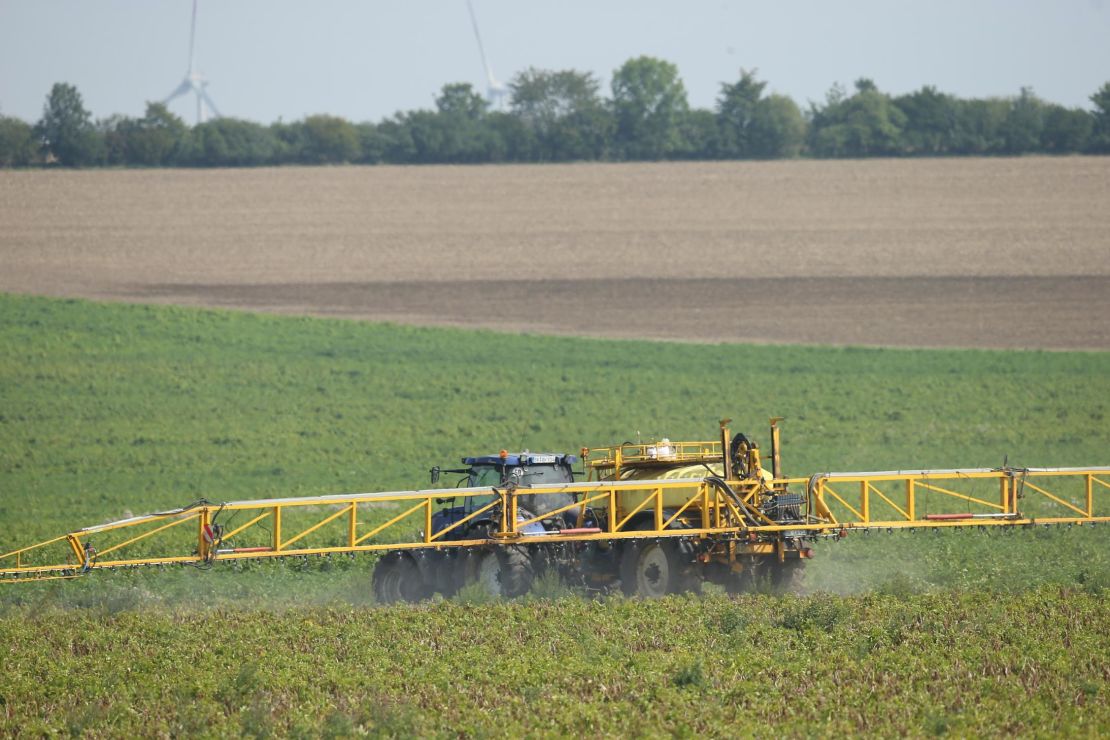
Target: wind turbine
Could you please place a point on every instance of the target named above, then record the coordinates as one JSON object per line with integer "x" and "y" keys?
{"x": 194, "y": 82}
{"x": 495, "y": 91}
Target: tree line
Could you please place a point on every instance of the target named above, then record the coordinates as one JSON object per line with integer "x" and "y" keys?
{"x": 561, "y": 116}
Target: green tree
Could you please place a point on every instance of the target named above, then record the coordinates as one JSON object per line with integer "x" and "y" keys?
{"x": 778, "y": 128}
{"x": 114, "y": 132}
{"x": 155, "y": 139}
{"x": 398, "y": 146}
{"x": 371, "y": 143}
{"x": 430, "y": 137}
{"x": 328, "y": 139}
{"x": 288, "y": 141}
{"x": 699, "y": 135}
{"x": 1024, "y": 123}
{"x": 17, "y": 142}
{"x": 510, "y": 139}
{"x": 979, "y": 126}
{"x": 1065, "y": 129}
{"x": 931, "y": 118}
{"x": 865, "y": 124}
{"x": 66, "y": 129}
{"x": 564, "y": 112}
{"x": 752, "y": 125}
{"x": 649, "y": 102}
{"x": 736, "y": 112}
{"x": 1100, "y": 130}
{"x": 585, "y": 134}
{"x": 230, "y": 142}
{"x": 461, "y": 101}
{"x": 455, "y": 132}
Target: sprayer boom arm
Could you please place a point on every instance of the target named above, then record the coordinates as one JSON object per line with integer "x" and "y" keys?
{"x": 828, "y": 504}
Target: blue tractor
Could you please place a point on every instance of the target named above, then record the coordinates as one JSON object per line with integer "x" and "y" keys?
{"x": 501, "y": 570}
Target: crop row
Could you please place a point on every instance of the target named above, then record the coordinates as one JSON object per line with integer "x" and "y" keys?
{"x": 1028, "y": 663}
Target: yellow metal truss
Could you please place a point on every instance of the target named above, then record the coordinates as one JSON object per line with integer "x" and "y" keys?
{"x": 373, "y": 522}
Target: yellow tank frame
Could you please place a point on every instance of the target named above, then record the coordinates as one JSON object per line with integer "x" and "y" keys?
{"x": 614, "y": 462}
{"x": 834, "y": 504}
{"x": 610, "y": 462}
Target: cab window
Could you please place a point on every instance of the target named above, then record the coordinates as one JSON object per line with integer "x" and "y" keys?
{"x": 544, "y": 474}
{"x": 485, "y": 475}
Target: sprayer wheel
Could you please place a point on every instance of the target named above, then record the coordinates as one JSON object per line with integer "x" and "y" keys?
{"x": 652, "y": 569}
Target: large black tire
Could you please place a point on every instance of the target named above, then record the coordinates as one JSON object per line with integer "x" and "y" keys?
{"x": 505, "y": 572}
{"x": 652, "y": 569}
{"x": 397, "y": 578}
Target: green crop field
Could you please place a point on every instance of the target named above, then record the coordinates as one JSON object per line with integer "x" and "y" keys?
{"x": 1031, "y": 664}
{"x": 109, "y": 409}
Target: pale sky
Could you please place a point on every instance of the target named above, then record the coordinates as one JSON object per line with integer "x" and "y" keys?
{"x": 271, "y": 59}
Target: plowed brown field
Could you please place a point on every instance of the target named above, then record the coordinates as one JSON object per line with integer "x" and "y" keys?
{"x": 957, "y": 252}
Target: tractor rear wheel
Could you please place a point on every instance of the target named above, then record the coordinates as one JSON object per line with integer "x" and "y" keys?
{"x": 397, "y": 578}
{"x": 652, "y": 569}
{"x": 504, "y": 571}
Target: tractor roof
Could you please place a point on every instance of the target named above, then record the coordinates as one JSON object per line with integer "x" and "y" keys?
{"x": 522, "y": 459}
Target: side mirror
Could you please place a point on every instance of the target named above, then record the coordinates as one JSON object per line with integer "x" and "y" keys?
{"x": 435, "y": 474}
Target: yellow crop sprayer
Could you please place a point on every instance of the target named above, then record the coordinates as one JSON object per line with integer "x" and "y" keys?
{"x": 649, "y": 518}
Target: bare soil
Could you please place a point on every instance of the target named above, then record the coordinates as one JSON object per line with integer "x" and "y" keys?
{"x": 957, "y": 252}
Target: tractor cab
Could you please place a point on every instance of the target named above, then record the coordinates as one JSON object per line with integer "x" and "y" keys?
{"x": 522, "y": 470}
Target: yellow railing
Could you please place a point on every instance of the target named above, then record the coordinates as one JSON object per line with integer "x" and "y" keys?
{"x": 663, "y": 451}
{"x": 369, "y": 522}
{"x": 958, "y": 497}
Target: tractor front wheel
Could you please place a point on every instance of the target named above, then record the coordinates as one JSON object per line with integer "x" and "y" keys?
{"x": 397, "y": 578}
{"x": 503, "y": 571}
